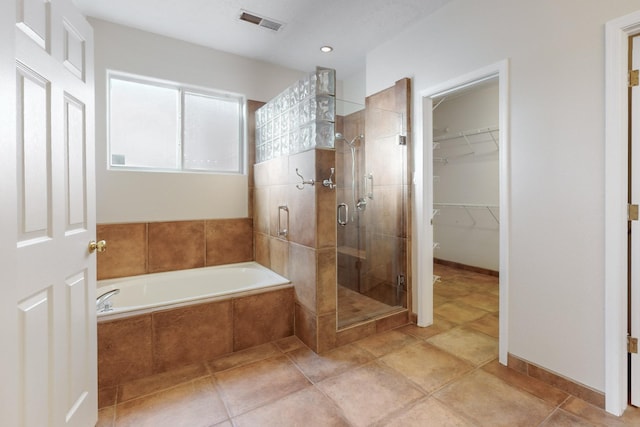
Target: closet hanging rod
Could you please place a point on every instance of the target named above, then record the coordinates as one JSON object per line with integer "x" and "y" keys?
{"x": 467, "y": 133}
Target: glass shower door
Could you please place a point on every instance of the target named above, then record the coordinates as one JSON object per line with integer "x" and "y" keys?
{"x": 372, "y": 201}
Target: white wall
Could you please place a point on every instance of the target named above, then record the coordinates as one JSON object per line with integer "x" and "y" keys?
{"x": 556, "y": 260}
{"x": 354, "y": 88}
{"x": 350, "y": 93}
{"x": 469, "y": 235}
{"x": 146, "y": 196}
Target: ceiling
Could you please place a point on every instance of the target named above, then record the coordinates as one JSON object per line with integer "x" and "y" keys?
{"x": 351, "y": 27}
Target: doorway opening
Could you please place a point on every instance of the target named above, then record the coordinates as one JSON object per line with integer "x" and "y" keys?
{"x": 466, "y": 210}
{"x": 429, "y": 209}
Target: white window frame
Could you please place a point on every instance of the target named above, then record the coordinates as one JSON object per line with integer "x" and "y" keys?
{"x": 182, "y": 88}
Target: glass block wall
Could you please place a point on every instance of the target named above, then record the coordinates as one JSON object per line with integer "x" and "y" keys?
{"x": 300, "y": 118}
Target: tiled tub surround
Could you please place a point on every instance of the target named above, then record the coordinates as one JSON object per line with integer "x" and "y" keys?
{"x": 141, "y": 248}
{"x": 138, "y": 346}
{"x": 154, "y": 342}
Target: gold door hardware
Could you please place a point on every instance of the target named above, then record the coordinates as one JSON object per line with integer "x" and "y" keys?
{"x": 100, "y": 246}
{"x": 632, "y": 212}
{"x": 633, "y": 78}
{"x": 632, "y": 345}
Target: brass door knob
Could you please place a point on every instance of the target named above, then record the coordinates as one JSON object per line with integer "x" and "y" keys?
{"x": 100, "y": 246}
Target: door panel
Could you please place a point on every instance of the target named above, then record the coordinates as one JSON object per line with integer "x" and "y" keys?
{"x": 75, "y": 176}
{"x": 49, "y": 218}
{"x": 36, "y": 357}
{"x": 74, "y": 51}
{"x": 33, "y": 19}
{"x": 34, "y": 147}
{"x": 79, "y": 342}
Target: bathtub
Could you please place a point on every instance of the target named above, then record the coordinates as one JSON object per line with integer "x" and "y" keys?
{"x": 149, "y": 292}
{"x": 164, "y": 321}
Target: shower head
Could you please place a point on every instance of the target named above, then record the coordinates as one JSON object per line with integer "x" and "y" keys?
{"x": 349, "y": 143}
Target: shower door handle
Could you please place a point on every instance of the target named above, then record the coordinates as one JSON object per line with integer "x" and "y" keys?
{"x": 345, "y": 208}
{"x": 369, "y": 178}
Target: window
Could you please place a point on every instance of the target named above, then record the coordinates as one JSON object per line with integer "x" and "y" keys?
{"x": 165, "y": 126}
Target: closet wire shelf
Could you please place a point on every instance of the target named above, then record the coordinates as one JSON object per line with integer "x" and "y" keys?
{"x": 437, "y": 142}
{"x": 466, "y": 206}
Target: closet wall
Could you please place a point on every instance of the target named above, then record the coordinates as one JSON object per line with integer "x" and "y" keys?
{"x": 466, "y": 183}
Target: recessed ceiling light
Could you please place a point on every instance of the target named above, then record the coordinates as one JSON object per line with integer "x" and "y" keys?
{"x": 326, "y": 49}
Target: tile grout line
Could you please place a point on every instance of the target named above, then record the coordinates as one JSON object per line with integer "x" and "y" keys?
{"x": 171, "y": 387}
{"x": 454, "y": 410}
{"x": 220, "y": 392}
{"x": 315, "y": 386}
{"x": 542, "y": 423}
{"x": 115, "y": 407}
{"x": 268, "y": 402}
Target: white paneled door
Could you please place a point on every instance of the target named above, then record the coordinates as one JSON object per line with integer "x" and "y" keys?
{"x": 634, "y": 255}
{"x": 47, "y": 216}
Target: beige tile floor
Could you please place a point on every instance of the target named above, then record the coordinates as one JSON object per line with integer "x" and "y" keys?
{"x": 354, "y": 307}
{"x": 444, "y": 375}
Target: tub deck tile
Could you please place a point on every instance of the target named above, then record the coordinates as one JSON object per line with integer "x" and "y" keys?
{"x": 125, "y": 350}
{"x": 262, "y": 318}
{"x": 192, "y": 334}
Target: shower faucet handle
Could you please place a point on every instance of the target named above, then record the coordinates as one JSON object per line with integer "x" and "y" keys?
{"x": 328, "y": 182}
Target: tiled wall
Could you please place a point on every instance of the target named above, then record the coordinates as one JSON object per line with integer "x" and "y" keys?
{"x": 140, "y": 248}
{"x": 142, "y": 345}
{"x": 307, "y": 255}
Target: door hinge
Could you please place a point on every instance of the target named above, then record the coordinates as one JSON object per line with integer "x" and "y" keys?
{"x": 634, "y": 78}
{"x": 402, "y": 140}
{"x": 632, "y": 345}
{"x": 632, "y": 212}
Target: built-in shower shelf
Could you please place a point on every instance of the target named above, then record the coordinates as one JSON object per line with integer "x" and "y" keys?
{"x": 354, "y": 252}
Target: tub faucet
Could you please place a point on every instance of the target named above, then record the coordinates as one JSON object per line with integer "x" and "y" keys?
{"x": 103, "y": 303}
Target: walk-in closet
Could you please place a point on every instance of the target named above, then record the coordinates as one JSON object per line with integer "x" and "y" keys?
{"x": 466, "y": 211}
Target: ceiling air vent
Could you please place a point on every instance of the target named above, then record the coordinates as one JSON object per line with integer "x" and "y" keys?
{"x": 260, "y": 21}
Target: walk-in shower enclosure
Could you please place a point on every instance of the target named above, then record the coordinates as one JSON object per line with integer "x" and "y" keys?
{"x": 331, "y": 207}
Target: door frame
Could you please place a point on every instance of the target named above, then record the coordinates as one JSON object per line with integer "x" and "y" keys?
{"x": 423, "y": 180}
{"x": 616, "y": 177}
